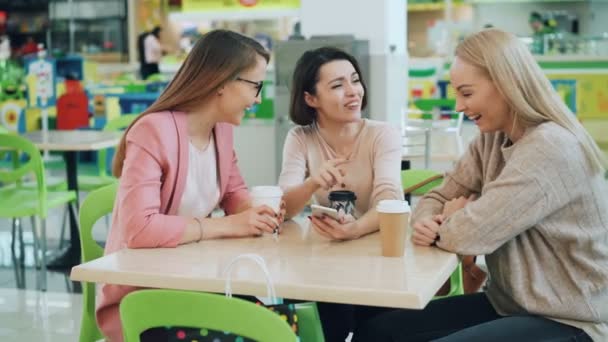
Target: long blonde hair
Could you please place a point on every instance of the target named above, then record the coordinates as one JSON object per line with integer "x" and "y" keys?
{"x": 218, "y": 57}
{"x": 518, "y": 77}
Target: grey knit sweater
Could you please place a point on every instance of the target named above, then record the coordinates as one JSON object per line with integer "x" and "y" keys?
{"x": 541, "y": 219}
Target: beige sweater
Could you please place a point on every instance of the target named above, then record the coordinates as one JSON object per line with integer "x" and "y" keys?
{"x": 373, "y": 171}
{"x": 541, "y": 220}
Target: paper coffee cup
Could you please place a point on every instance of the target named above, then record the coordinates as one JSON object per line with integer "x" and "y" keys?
{"x": 393, "y": 216}
{"x": 269, "y": 195}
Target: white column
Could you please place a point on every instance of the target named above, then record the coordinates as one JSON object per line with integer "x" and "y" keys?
{"x": 132, "y": 31}
{"x": 383, "y": 24}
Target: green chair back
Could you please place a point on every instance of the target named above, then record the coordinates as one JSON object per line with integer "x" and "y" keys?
{"x": 18, "y": 145}
{"x": 97, "y": 204}
{"x": 410, "y": 178}
{"x": 145, "y": 309}
{"x": 456, "y": 284}
{"x": 309, "y": 323}
{"x": 115, "y": 124}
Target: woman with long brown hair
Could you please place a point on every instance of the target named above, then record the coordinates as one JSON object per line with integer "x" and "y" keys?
{"x": 176, "y": 162}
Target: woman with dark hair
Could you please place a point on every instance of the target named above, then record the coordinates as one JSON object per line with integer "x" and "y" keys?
{"x": 176, "y": 162}
{"x": 334, "y": 148}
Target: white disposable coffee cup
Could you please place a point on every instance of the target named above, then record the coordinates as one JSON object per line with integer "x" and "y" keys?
{"x": 393, "y": 216}
{"x": 269, "y": 195}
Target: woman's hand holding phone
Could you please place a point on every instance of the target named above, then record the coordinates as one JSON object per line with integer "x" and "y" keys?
{"x": 334, "y": 225}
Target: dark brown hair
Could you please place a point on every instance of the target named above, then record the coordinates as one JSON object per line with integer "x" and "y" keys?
{"x": 218, "y": 57}
{"x": 306, "y": 76}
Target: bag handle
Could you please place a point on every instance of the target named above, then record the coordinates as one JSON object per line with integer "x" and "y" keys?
{"x": 271, "y": 293}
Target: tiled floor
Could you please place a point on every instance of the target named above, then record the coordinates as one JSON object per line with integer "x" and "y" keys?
{"x": 30, "y": 315}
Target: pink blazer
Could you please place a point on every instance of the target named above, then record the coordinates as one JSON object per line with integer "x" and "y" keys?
{"x": 150, "y": 192}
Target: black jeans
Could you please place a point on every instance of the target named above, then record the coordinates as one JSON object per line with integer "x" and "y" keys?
{"x": 467, "y": 318}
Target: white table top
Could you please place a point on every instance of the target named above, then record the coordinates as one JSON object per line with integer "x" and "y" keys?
{"x": 73, "y": 140}
{"x": 302, "y": 265}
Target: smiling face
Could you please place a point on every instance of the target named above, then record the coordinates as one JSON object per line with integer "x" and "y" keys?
{"x": 479, "y": 99}
{"x": 338, "y": 93}
{"x": 242, "y": 93}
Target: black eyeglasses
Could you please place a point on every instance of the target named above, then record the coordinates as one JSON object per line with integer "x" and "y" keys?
{"x": 258, "y": 85}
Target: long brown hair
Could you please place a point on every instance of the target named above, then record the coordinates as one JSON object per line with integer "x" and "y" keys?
{"x": 218, "y": 57}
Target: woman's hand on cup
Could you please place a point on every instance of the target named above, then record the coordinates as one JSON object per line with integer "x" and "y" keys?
{"x": 344, "y": 229}
{"x": 330, "y": 174}
{"x": 254, "y": 221}
{"x": 426, "y": 231}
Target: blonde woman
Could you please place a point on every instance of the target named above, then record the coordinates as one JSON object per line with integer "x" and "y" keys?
{"x": 540, "y": 216}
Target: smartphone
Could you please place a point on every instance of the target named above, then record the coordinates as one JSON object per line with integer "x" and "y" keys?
{"x": 319, "y": 211}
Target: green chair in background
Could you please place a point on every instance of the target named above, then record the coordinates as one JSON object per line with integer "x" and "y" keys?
{"x": 97, "y": 204}
{"x": 156, "y": 78}
{"x": 418, "y": 183}
{"x": 16, "y": 201}
{"x": 139, "y": 311}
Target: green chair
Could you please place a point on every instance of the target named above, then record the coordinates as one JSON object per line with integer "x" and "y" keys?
{"x": 96, "y": 205}
{"x": 17, "y": 202}
{"x": 309, "y": 323}
{"x": 156, "y": 78}
{"x": 145, "y": 309}
{"x": 419, "y": 182}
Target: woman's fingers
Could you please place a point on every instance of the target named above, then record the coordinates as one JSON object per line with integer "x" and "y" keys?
{"x": 328, "y": 180}
{"x": 318, "y": 229}
{"x": 264, "y": 210}
{"x": 266, "y": 223}
{"x": 336, "y": 174}
{"x": 421, "y": 240}
{"x": 424, "y": 231}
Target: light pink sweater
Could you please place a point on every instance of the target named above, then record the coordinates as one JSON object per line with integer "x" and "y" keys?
{"x": 150, "y": 191}
{"x": 373, "y": 171}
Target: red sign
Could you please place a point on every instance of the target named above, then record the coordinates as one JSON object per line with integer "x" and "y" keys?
{"x": 248, "y": 3}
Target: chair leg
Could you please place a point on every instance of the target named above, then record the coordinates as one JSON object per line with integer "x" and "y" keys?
{"x": 63, "y": 223}
{"x": 21, "y": 244}
{"x": 43, "y": 249}
{"x": 19, "y": 272}
{"x": 35, "y": 241}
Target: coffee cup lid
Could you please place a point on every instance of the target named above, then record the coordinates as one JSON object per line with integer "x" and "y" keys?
{"x": 266, "y": 191}
{"x": 342, "y": 195}
{"x": 393, "y": 207}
